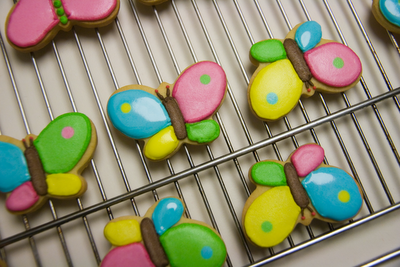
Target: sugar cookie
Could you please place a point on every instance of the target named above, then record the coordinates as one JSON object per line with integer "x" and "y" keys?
{"x": 152, "y": 2}
{"x": 174, "y": 113}
{"x": 297, "y": 191}
{"x": 31, "y": 25}
{"x": 387, "y": 13}
{"x": 48, "y": 165}
{"x": 163, "y": 237}
{"x": 296, "y": 66}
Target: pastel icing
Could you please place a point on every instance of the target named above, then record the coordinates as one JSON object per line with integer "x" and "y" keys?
{"x": 268, "y": 173}
{"x": 271, "y": 217}
{"x": 194, "y": 245}
{"x": 167, "y": 213}
{"x": 390, "y": 10}
{"x": 268, "y": 51}
{"x": 161, "y": 144}
{"x": 13, "y": 167}
{"x": 275, "y": 90}
{"x": 333, "y": 193}
{"x": 308, "y": 35}
{"x": 203, "y": 131}
{"x": 86, "y": 10}
{"x": 199, "y": 90}
{"x": 124, "y": 232}
{"x": 30, "y": 22}
{"x": 137, "y": 113}
{"x": 132, "y": 255}
{"x": 63, "y": 184}
{"x": 334, "y": 64}
{"x": 306, "y": 158}
{"x": 22, "y": 198}
{"x": 60, "y": 154}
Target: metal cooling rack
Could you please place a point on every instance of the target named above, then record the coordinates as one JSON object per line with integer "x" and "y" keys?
{"x": 80, "y": 69}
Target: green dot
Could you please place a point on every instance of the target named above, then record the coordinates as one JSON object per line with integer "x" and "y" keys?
{"x": 64, "y": 20}
{"x": 338, "y": 63}
{"x": 57, "y": 3}
{"x": 205, "y": 79}
{"x": 60, "y": 11}
{"x": 266, "y": 226}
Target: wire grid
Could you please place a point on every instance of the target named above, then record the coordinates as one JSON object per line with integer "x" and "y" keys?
{"x": 80, "y": 69}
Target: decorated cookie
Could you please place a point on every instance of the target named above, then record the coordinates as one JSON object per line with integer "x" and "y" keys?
{"x": 297, "y": 191}
{"x": 48, "y": 165}
{"x": 163, "y": 237}
{"x": 387, "y": 13}
{"x": 296, "y": 66}
{"x": 173, "y": 114}
{"x": 31, "y": 25}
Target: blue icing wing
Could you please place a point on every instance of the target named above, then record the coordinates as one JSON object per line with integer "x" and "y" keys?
{"x": 167, "y": 213}
{"x": 13, "y": 167}
{"x": 334, "y": 193}
{"x": 137, "y": 113}
{"x": 308, "y": 35}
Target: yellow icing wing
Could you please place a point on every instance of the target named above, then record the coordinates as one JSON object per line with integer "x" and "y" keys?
{"x": 161, "y": 144}
{"x": 123, "y": 232}
{"x": 63, "y": 184}
{"x": 271, "y": 217}
{"x": 275, "y": 90}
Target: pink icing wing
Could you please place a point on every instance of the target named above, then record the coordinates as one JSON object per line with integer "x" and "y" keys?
{"x": 22, "y": 198}
{"x": 334, "y": 64}
{"x": 87, "y": 10}
{"x": 200, "y": 90}
{"x": 30, "y": 21}
{"x": 306, "y": 158}
{"x": 132, "y": 255}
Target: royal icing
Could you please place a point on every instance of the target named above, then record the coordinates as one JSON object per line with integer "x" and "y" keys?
{"x": 391, "y": 11}
{"x": 22, "y": 198}
{"x": 171, "y": 115}
{"x": 307, "y": 158}
{"x": 30, "y": 22}
{"x": 13, "y": 167}
{"x": 121, "y": 233}
{"x": 284, "y": 73}
{"x": 283, "y": 194}
{"x": 51, "y": 162}
{"x": 333, "y": 193}
{"x": 132, "y": 255}
{"x": 169, "y": 238}
{"x": 167, "y": 213}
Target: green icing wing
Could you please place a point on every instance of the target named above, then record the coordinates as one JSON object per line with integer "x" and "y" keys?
{"x": 63, "y": 142}
{"x": 193, "y": 245}
{"x": 268, "y": 51}
{"x": 268, "y": 173}
{"x": 203, "y": 131}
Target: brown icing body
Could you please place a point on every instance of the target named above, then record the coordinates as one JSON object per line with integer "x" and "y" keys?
{"x": 152, "y": 243}
{"x": 298, "y": 192}
{"x": 175, "y": 114}
{"x": 296, "y": 57}
{"x": 35, "y": 167}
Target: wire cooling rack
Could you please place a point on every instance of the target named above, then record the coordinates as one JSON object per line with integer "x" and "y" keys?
{"x": 80, "y": 69}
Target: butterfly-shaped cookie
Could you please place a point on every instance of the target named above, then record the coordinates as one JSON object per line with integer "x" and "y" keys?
{"x": 174, "y": 113}
{"x": 297, "y": 191}
{"x": 49, "y": 165}
{"x": 387, "y": 13}
{"x": 163, "y": 237}
{"x": 296, "y": 66}
{"x": 31, "y": 24}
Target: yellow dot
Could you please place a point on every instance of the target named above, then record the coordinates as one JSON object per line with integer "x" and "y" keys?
{"x": 344, "y": 196}
{"x": 125, "y": 108}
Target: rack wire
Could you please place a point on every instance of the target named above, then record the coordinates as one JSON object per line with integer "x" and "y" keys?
{"x": 80, "y": 69}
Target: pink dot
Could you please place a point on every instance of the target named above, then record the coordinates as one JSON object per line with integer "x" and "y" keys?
{"x": 67, "y": 132}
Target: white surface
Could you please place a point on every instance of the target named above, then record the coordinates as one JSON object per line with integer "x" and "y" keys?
{"x": 351, "y": 248}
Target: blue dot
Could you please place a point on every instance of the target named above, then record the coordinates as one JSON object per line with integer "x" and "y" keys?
{"x": 272, "y": 98}
{"x": 206, "y": 252}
